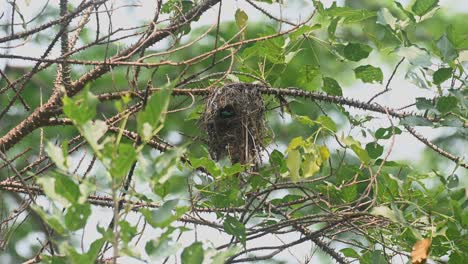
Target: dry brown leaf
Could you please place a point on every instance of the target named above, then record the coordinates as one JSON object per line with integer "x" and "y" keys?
{"x": 421, "y": 251}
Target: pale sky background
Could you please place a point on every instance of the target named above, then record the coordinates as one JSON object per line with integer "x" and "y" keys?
{"x": 403, "y": 93}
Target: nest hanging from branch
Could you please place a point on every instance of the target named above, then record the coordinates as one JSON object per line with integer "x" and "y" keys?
{"x": 234, "y": 120}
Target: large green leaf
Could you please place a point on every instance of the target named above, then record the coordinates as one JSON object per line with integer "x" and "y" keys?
{"x": 234, "y": 227}
{"x": 422, "y": 7}
{"x": 152, "y": 117}
{"x": 193, "y": 254}
{"x": 369, "y": 74}
{"x": 331, "y": 86}
{"x": 356, "y": 51}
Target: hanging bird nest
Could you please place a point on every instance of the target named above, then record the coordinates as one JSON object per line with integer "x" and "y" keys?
{"x": 234, "y": 120}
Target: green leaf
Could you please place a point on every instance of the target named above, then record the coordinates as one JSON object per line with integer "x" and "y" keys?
{"x": 415, "y": 56}
{"x": 304, "y": 30}
{"x": 234, "y": 227}
{"x": 331, "y": 86}
{"x": 406, "y": 12}
{"x": 441, "y": 75}
{"x": 150, "y": 119}
{"x": 164, "y": 215}
{"x": 241, "y": 18}
{"x": 310, "y": 165}
{"x": 93, "y": 132}
{"x": 385, "y": 17}
{"x": 122, "y": 160}
{"x": 295, "y": 143}
{"x": 221, "y": 257}
{"x": 162, "y": 246}
{"x": 65, "y": 187}
{"x": 424, "y": 103}
{"x": 77, "y": 216}
{"x": 349, "y": 193}
{"x": 361, "y": 153}
{"x": 369, "y": 74}
{"x": 357, "y": 149}
{"x": 327, "y": 122}
{"x": 349, "y": 14}
{"x": 293, "y": 162}
{"x": 82, "y": 107}
{"x": 458, "y": 36}
{"x": 446, "y": 103}
{"x": 308, "y": 74}
{"x": 422, "y": 7}
{"x": 127, "y": 231}
{"x": 384, "y": 211}
{"x": 446, "y": 48}
{"x": 53, "y": 221}
{"x": 234, "y": 169}
{"x": 332, "y": 27}
{"x": 349, "y": 252}
{"x": 415, "y": 121}
{"x": 206, "y": 163}
{"x": 193, "y": 254}
{"x": 386, "y": 133}
{"x": 58, "y": 155}
{"x": 374, "y": 150}
{"x": 356, "y": 51}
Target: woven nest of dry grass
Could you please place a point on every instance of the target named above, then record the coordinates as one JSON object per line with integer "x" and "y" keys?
{"x": 234, "y": 120}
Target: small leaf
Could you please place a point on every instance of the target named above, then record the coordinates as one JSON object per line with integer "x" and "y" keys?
{"x": 67, "y": 188}
{"x": 57, "y": 155}
{"x": 374, "y": 150}
{"x": 406, "y": 12}
{"x": 77, "y": 216}
{"x": 222, "y": 256}
{"x": 193, "y": 254}
{"x": 349, "y": 14}
{"x": 310, "y": 166}
{"x": 93, "y": 131}
{"x": 415, "y": 121}
{"x": 446, "y": 48}
{"x": 327, "y": 122}
{"x": 361, "y": 153}
{"x": 324, "y": 153}
{"x": 332, "y": 27}
{"x": 304, "y": 30}
{"x": 295, "y": 143}
{"x": 234, "y": 227}
{"x": 53, "y": 221}
{"x": 293, "y": 162}
{"x": 446, "y": 103}
{"x": 356, "y": 51}
{"x": 206, "y": 163}
{"x": 441, "y": 75}
{"x": 415, "y": 56}
{"x": 122, "y": 160}
{"x": 420, "y": 251}
{"x": 385, "y": 17}
{"x": 241, "y": 18}
{"x": 422, "y": 7}
{"x": 386, "y": 133}
{"x": 331, "y": 86}
{"x": 384, "y": 211}
{"x": 82, "y": 107}
{"x": 424, "y": 103}
{"x": 164, "y": 215}
{"x": 349, "y": 252}
{"x": 154, "y": 114}
{"x": 369, "y": 74}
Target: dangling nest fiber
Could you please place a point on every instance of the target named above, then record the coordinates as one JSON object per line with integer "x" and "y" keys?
{"x": 234, "y": 120}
